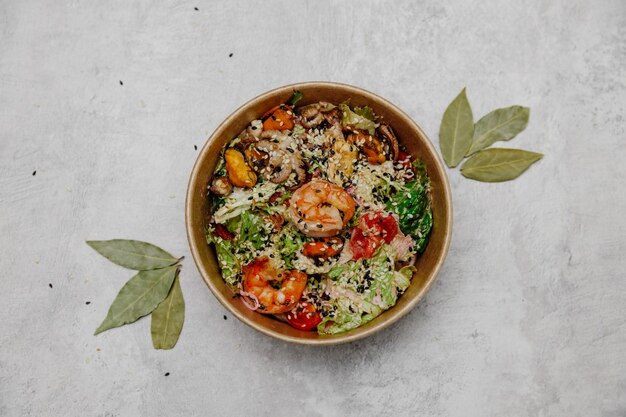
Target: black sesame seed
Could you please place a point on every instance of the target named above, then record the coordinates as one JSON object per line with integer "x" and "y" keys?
{"x": 34, "y": 173}
{"x": 225, "y": 318}
{"x": 195, "y": 147}
{"x": 167, "y": 374}
{"x": 319, "y": 226}
{"x": 254, "y": 127}
{"x": 196, "y": 9}
{"x": 250, "y": 198}
{"x": 50, "y": 285}
{"x": 121, "y": 83}
{"x": 88, "y": 302}
{"x": 230, "y": 55}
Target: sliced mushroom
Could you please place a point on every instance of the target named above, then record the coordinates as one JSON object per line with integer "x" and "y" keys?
{"x": 313, "y": 114}
{"x": 333, "y": 117}
{"x": 386, "y": 133}
{"x": 221, "y": 186}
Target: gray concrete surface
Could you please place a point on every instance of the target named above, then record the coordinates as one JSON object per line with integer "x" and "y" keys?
{"x": 528, "y": 317}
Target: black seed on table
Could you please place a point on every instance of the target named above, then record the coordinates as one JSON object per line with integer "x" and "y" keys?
{"x": 50, "y": 285}
{"x": 34, "y": 173}
{"x": 230, "y": 55}
{"x": 195, "y": 147}
{"x": 88, "y": 302}
{"x": 121, "y": 83}
{"x": 225, "y": 318}
{"x": 167, "y": 374}
{"x": 196, "y": 9}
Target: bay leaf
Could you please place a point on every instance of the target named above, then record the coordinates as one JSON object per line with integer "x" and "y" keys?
{"x": 498, "y": 164}
{"x": 133, "y": 254}
{"x": 500, "y": 124}
{"x": 168, "y": 318}
{"x": 456, "y": 130}
{"x": 139, "y": 297}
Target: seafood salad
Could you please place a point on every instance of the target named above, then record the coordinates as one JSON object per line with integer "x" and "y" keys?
{"x": 318, "y": 215}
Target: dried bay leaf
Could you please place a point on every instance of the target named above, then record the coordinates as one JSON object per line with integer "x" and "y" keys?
{"x": 500, "y": 124}
{"x": 499, "y": 164}
{"x": 139, "y": 297}
{"x": 168, "y": 318}
{"x": 133, "y": 254}
{"x": 457, "y": 130}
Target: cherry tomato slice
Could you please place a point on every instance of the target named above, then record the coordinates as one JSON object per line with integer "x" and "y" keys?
{"x": 363, "y": 246}
{"x": 404, "y": 159}
{"x": 304, "y": 316}
{"x": 379, "y": 224}
{"x": 373, "y": 229}
{"x": 223, "y": 232}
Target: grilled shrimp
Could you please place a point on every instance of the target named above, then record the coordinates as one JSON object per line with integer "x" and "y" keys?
{"x": 260, "y": 274}
{"x": 321, "y": 209}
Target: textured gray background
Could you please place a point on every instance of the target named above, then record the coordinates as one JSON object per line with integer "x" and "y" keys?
{"x": 528, "y": 317}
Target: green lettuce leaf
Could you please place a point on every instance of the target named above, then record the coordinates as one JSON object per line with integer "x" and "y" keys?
{"x": 358, "y": 121}
{"x": 412, "y": 205}
{"x": 384, "y": 290}
{"x": 251, "y": 230}
{"x": 366, "y": 112}
{"x": 229, "y": 263}
{"x": 289, "y": 244}
{"x": 295, "y": 97}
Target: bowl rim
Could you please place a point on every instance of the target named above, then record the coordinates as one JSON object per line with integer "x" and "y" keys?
{"x": 348, "y": 336}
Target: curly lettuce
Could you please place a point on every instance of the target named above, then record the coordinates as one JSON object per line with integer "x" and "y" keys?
{"x": 351, "y": 304}
{"x": 243, "y": 199}
{"x": 289, "y": 244}
{"x": 249, "y": 230}
{"x": 230, "y": 263}
{"x": 412, "y": 205}
{"x": 360, "y": 118}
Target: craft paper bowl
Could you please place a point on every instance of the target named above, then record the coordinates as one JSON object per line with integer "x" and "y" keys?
{"x": 408, "y": 133}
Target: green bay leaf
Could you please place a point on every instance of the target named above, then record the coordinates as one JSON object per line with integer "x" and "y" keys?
{"x": 168, "y": 318}
{"x": 139, "y": 297}
{"x": 499, "y": 164}
{"x": 457, "y": 130}
{"x": 133, "y": 254}
{"x": 500, "y": 124}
